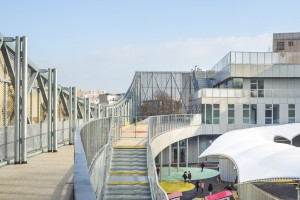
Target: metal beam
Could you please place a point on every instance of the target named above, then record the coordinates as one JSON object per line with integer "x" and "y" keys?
{"x": 41, "y": 85}
{"x": 64, "y": 103}
{"x": 31, "y": 82}
{"x": 8, "y": 63}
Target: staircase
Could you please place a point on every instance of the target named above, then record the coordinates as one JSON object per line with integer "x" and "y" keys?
{"x": 128, "y": 178}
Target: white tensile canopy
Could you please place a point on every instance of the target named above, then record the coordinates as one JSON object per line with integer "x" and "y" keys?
{"x": 256, "y": 155}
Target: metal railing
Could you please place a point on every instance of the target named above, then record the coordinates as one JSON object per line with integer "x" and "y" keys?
{"x": 37, "y": 138}
{"x": 93, "y": 152}
{"x": 158, "y": 125}
{"x": 246, "y": 93}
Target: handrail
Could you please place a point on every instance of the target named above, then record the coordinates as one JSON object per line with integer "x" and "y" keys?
{"x": 93, "y": 152}
{"x": 156, "y": 126}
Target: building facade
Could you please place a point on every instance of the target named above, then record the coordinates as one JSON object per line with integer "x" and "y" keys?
{"x": 244, "y": 90}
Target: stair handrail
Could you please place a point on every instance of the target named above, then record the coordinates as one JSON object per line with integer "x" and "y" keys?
{"x": 157, "y": 125}
{"x": 113, "y": 133}
{"x": 157, "y": 192}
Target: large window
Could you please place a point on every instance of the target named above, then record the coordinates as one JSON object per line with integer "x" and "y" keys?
{"x": 230, "y": 113}
{"x": 210, "y": 113}
{"x": 237, "y": 83}
{"x": 257, "y": 87}
{"x": 272, "y": 114}
{"x": 280, "y": 45}
{"x": 249, "y": 114}
{"x": 292, "y": 113}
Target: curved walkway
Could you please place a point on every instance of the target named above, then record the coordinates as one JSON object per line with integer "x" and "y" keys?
{"x": 46, "y": 176}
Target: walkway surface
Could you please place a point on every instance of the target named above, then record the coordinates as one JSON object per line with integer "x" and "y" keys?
{"x": 46, "y": 176}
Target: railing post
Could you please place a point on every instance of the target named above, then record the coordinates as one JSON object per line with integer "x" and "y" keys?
{"x": 70, "y": 115}
{"x": 74, "y": 95}
{"x": 17, "y": 101}
{"x": 55, "y": 108}
{"x": 49, "y": 110}
{"x": 24, "y": 99}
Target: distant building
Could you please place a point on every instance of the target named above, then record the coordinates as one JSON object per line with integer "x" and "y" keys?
{"x": 286, "y": 42}
{"x": 93, "y": 95}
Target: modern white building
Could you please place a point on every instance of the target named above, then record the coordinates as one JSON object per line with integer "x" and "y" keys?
{"x": 243, "y": 90}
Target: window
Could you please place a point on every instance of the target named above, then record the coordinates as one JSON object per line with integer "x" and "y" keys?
{"x": 280, "y": 45}
{"x": 257, "y": 87}
{"x": 216, "y": 113}
{"x": 249, "y": 114}
{"x": 291, "y": 44}
{"x": 237, "y": 83}
{"x": 210, "y": 113}
{"x": 291, "y": 113}
{"x": 246, "y": 113}
{"x": 230, "y": 113}
{"x": 272, "y": 114}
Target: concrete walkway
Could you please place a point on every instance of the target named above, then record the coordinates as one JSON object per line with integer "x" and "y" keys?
{"x": 46, "y": 176}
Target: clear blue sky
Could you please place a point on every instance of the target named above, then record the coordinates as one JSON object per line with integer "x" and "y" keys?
{"x": 100, "y": 44}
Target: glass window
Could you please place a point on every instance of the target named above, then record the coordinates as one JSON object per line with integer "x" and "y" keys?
{"x": 230, "y": 113}
{"x": 246, "y": 113}
{"x": 257, "y": 87}
{"x": 203, "y": 113}
{"x": 272, "y": 114}
{"x": 253, "y": 114}
{"x": 208, "y": 114}
{"x": 291, "y": 44}
{"x": 291, "y": 113}
{"x": 280, "y": 45}
{"x": 237, "y": 83}
{"x": 216, "y": 113}
{"x": 276, "y": 114}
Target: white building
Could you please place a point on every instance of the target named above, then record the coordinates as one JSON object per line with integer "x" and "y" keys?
{"x": 244, "y": 90}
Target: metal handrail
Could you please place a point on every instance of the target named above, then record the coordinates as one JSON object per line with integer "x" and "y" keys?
{"x": 158, "y": 125}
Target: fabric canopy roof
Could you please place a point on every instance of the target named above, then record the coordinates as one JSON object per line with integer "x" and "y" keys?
{"x": 256, "y": 155}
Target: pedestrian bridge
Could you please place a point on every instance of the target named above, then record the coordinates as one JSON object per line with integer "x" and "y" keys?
{"x": 39, "y": 129}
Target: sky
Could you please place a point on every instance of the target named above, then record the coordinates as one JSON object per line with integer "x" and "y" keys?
{"x": 96, "y": 44}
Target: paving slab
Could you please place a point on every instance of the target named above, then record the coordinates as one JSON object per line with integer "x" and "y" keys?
{"x": 45, "y": 176}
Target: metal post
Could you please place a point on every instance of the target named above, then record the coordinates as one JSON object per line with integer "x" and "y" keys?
{"x": 75, "y": 111}
{"x": 198, "y": 148}
{"x": 170, "y": 158}
{"x": 178, "y": 156}
{"x": 49, "y": 110}
{"x": 99, "y": 111}
{"x": 88, "y": 110}
{"x": 17, "y": 101}
{"x": 70, "y": 115}
{"x": 187, "y": 154}
{"x": 24, "y": 99}
{"x": 161, "y": 165}
{"x": 55, "y": 108}
{"x": 84, "y": 109}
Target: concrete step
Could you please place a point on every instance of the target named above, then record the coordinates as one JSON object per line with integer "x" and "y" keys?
{"x": 129, "y": 156}
{"x": 126, "y": 159}
{"x": 128, "y": 178}
{"x": 128, "y": 168}
{"x": 145, "y": 192}
{"x": 130, "y": 153}
{"x": 128, "y": 163}
{"x": 128, "y": 197}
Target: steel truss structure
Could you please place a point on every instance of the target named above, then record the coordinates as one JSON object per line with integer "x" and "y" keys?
{"x": 44, "y": 115}
{"x": 163, "y": 88}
